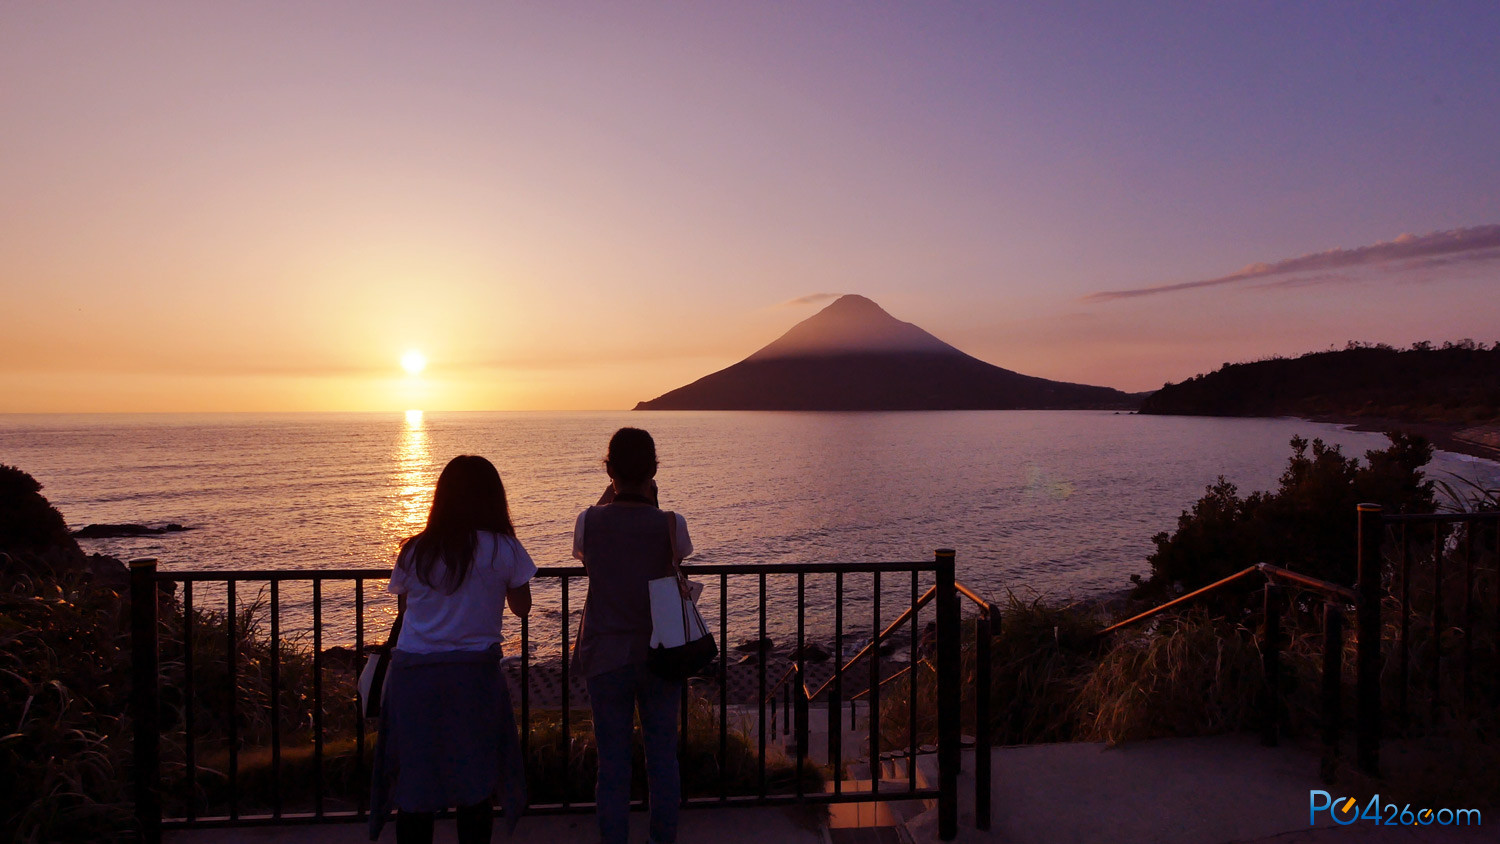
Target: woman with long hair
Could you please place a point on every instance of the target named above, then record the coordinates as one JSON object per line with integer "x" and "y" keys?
{"x": 624, "y": 542}
{"x": 447, "y": 732}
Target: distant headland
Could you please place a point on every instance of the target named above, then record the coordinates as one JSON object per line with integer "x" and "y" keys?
{"x": 852, "y": 355}
{"x": 1449, "y": 394}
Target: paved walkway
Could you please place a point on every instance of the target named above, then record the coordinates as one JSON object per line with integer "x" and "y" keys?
{"x": 1214, "y": 790}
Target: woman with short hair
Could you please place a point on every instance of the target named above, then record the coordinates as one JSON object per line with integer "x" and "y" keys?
{"x": 624, "y": 542}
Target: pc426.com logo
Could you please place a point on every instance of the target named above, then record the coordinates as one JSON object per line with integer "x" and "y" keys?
{"x": 1349, "y": 810}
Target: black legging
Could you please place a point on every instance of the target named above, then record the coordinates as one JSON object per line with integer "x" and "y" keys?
{"x": 475, "y": 825}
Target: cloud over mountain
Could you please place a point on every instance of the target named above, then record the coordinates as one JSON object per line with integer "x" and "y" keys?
{"x": 1407, "y": 251}
{"x": 811, "y": 299}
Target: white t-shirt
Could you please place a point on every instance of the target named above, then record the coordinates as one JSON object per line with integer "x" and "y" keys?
{"x": 468, "y": 619}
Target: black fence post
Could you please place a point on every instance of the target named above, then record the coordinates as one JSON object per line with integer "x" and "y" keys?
{"x": 1333, "y": 683}
{"x": 145, "y": 667}
{"x": 1270, "y": 655}
{"x": 984, "y": 639}
{"x": 1367, "y": 720}
{"x": 949, "y": 701}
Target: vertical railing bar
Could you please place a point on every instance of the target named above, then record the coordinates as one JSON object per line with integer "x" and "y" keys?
{"x": 1437, "y": 620}
{"x": 1271, "y": 666}
{"x": 1469, "y": 612}
{"x": 760, "y": 699}
{"x": 1495, "y": 540}
{"x": 318, "y": 696}
{"x": 190, "y": 755}
{"x": 682, "y": 736}
{"x": 799, "y": 681}
{"x": 1371, "y": 534}
{"x": 276, "y": 698}
{"x": 911, "y": 685}
{"x": 566, "y": 738}
{"x": 359, "y": 709}
{"x": 836, "y": 699}
{"x": 786, "y": 706}
{"x": 723, "y": 685}
{"x": 984, "y": 634}
{"x": 949, "y": 693}
{"x": 526, "y": 689}
{"x": 1333, "y": 666}
{"x": 1403, "y": 692}
{"x": 145, "y": 703}
{"x": 232, "y": 662}
{"x": 874, "y": 695}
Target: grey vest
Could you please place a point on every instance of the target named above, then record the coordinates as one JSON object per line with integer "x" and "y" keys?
{"x": 623, "y": 548}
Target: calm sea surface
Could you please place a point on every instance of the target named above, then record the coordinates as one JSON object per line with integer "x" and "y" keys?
{"x": 1061, "y": 504}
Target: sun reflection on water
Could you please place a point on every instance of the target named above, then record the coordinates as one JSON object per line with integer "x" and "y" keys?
{"x": 410, "y": 483}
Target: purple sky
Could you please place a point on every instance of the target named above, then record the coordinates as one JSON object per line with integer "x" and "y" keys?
{"x": 262, "y": 206}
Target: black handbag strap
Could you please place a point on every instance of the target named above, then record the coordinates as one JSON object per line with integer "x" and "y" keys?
{"x": 390, "y": 642}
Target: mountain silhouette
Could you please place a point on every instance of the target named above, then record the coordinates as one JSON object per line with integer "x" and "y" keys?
{"x": 852, "y": 355}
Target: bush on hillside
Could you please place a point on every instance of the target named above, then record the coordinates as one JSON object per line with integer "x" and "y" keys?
{"x": 1308, "y": 524}
{"x": 28, "y": 521}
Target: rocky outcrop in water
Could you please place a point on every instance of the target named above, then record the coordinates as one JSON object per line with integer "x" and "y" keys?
{"x": 105, "y": 531}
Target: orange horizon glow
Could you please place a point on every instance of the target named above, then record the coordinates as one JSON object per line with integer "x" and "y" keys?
{"x": 227, "y": 210}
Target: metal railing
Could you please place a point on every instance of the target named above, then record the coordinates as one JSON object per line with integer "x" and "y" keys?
{"x": 1404, "y": 531}
{"x": 1365, "y": 599}
{"x": 797, "y": 696}
{"x": 191, "y": 723}
{"x": 1335, "y": 598}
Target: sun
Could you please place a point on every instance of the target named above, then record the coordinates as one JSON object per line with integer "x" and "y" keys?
{"x": 413, "y": 361}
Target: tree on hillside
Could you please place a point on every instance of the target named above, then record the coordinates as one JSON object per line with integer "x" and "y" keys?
{"x": 1309, "y": 524}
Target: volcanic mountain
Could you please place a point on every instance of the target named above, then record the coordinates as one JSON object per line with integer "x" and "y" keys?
{"x": 852, "y": 355}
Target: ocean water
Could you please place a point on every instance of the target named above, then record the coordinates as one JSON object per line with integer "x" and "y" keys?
{"x": 1061, "y": 504}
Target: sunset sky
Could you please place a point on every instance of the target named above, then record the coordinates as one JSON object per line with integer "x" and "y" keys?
{"x": 263, "y": 206}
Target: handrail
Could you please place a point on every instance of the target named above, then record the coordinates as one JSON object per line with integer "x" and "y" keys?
{"x": 875, "y": 642}
{"x": 1311, "y": 582}
{"x": 984, "y": 606}
{"x": 1175, "y": 601}
{"x": 898, "y": 675}
{"x": 781, "y": 681}
{"x": 1267, "y": 569}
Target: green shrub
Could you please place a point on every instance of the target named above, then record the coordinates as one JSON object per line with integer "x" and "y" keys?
{"x": 1308, "y": 524}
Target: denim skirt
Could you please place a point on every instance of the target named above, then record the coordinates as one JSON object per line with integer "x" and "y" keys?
{"x": 447, "y": 737}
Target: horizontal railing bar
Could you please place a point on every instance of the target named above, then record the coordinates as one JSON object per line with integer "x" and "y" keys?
{"x": 544, "y": 571}
{"x": 1175, "y": 601}
{"x": 1311, "y": 582}
{"x": 805, "y": 568}
{"x": 734, "y": 800}
{"x": 1488, "y": 515}
{"x": 273, "y": 574}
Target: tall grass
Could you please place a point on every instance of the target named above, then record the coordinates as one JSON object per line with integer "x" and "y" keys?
{"x": 64, "y": 675}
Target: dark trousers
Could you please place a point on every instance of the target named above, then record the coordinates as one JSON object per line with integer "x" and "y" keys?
{"x": 616, "y": 696}
{"x": 476, "y": 823}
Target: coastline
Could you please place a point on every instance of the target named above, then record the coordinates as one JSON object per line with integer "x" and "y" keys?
{"x": 1482, "y": 441}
